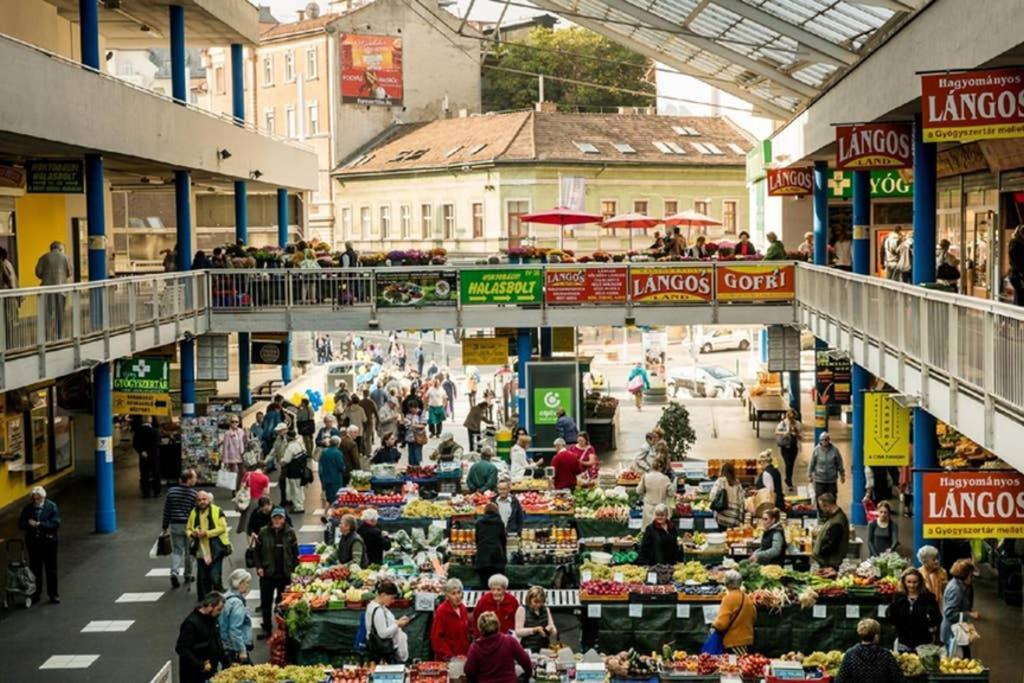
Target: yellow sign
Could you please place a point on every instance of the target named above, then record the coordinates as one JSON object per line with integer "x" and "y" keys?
{"x": 886, "y": 431}
{"x": 563, "y": 340}
{"x": 132, "y": 403}
{"x": 484, "y": 351}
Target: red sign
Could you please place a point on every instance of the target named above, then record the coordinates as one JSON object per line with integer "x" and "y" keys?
{"x": 790, "y": 182}
{"x": 972, "y": 105}
{"x": 874, "y": 145}
{"x": 371, "y": 70}
{"x": 973, "y": 504}
{"x": 756, "y": 282}
{"x": 585, "y": 285}
{"x": 671, "y": 284}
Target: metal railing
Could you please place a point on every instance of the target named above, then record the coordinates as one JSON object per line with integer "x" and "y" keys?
{"x": 974, "y": 342}
{"x": 37, "y": 319}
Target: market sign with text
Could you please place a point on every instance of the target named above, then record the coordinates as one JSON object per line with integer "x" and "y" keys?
{"x": 832, "y": 378}
{"x": 755, "y": 282}
{"x": 142, "y": 386}
{"x": 547, "y": 401}
{"x": 600, "y": 285}
{"x": 371, "y": 70}
{"x": 972, "y": 105}
{"x": 484, "y": 351}
{"x": 886, "y": 431}
{"x": 401, "y": 289}
{"x": 675, "y": 285}
{"x": 790, "y": 182}
{"x": 874, "y": 145}
{"x": 501, "y": 286}
{"x": 974, "y": 504}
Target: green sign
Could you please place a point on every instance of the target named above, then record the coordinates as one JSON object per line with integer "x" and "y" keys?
{"x": 55, "y": 176}
{"x": 501, "y": 286}
{"x": 547, "y": 401}
{"x": 886, "y": 183}
{"x": 142, "y": 375}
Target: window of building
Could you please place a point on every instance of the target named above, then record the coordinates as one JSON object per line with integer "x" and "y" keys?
{"x": 426, "y": 221}
{"x": 404, "y": 221}
{"x": 609, "y": 207}
{"x": 448, "y": 220}
{"x": 736, "y": 149}
{"x": 625, "y": 148}
{"x": 268, "y": 70}
{"x": 346, "y": 222}
{"x": 662, "y": 147}
{"x": 699, "y": 146}
{"x": 291, "y": 127}
{"x": 729, "y": 217}
{"x": 289, "y": 66}
{"x": 478, "y": 220}
{"x": 515, "y": 210}
{"x": 365, "y": 222}
{"x": 312, "y": 65}
{"x": 671, "y": 207}
{"x": 454, "y": 150}
{"x": 268, "y": 121}
{"x": 713, "y": 148}
{"x": 218, "y": 80}
{"x": 385, "y": 222}
{"x": 586, "y": 147}
{"x": 314, "y": 117}
{"x": 700, "y": 206}
{"x": 640, "y": 206}
{"x": 674, "y": 146}
{"x": 476, "y": 148}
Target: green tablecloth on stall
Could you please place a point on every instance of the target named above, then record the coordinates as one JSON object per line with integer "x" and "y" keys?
{"x": 519, "y": 575}
{"x": 331, "y": 636}
{"x": 406, "y": 523}
{"x": 606, "y": 528}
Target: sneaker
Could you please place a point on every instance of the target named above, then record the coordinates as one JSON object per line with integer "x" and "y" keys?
{"x": 174, "y": 581}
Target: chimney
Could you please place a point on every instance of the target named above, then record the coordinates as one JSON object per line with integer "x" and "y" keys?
{"x": 547, "y": 107}
{"x": 463, "y": 113}
{"x": 302, "y": 14}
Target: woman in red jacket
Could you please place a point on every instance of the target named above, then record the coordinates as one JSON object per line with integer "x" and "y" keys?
{"x": 493, "y": 658}
{"x": 450, "y": 634}
{"x": 499, "y": 601}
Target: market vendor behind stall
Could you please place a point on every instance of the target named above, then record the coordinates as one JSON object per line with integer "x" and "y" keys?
{"x": 659, "y": 544}
{"x": 499, "y": 601}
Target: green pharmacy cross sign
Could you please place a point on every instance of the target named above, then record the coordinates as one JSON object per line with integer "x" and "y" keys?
{"x": 142, "y": 375}
{"x": 885, "y": 183}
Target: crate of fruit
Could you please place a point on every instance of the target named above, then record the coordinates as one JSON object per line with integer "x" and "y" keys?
{"x": 979, "y": 677}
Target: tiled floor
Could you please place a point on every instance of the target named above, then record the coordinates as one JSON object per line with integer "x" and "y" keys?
{"x": 139, "y": 597}
{"x": 69, "y": 662}
{"x": 116, "y": 626}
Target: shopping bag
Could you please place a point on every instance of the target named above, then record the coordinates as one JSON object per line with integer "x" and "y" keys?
{"x": 163, "y": 545}
{"x": 226, "y": 479}
{"x": 243, "y": 497}
{"x": 713, "y": 644}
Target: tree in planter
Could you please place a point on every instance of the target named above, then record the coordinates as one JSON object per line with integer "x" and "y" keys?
{"x": 679, "y": 435}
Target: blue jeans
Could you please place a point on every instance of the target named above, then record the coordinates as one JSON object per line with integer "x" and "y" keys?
{"x": 415, "y": 453}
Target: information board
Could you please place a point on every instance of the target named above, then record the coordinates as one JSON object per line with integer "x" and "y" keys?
{"x": 832, "y": 377}
{"x": 142, "y": 386}
{"x": 886, "y": 431}
{"x": 783, "y": 348}
{"x": 501, "y": 286}
{"x": 55, "y": 176}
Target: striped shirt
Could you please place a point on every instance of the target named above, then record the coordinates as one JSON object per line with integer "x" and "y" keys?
{"x": 179, "y": 503}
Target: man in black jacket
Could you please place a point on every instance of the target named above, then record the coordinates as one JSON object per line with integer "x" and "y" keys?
{"x": 491, "y": 545}
{"x": 260, "y": 518}
{"x": 40, "y": 520}
{"x": 373, "y": 538}
{"x": 277, "y": 554}
{"x": 199, "y": 648}
{"x": 146, "y": 442}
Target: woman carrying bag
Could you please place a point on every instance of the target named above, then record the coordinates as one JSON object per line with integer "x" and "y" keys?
{"x": 733, "y": 629}
{"x": 787, "y": 436}
{"x": 728, "y": 498}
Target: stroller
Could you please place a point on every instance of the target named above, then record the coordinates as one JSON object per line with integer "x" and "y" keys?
{"x": 21, "y": 582}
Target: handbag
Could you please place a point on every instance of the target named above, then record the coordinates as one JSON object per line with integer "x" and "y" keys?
{"x": 714, "y": 644}
{"x": 721, "y": 500}
{"x": 250, "y": 555}
{"x": 219, "y": 549}
{"x": 420, "y": 437}
{"x": 305, "y": 427}
{"x": 163, "y": 544}
{"x": 636, "y": 384}
{"x": 226, "y": 479}
{"x": 377, "y": 648}
{"x": 307, "y": 476}
{"x": 243, "y": 497}
{"x": 784, "y": 440}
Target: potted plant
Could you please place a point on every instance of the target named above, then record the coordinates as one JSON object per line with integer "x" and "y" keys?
{"x": 601, "y": 256}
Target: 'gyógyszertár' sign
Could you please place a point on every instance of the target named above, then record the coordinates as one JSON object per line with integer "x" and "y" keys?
{"x": 972, "y": 105}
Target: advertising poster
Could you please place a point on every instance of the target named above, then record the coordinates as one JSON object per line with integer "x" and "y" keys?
{"x": 269, "y": 352}
{"x": 550, "y": 385}
{"x": 371, "y": 70}
{"x": 832, "y": 378}
{"x": 563, "y": 340}
{"x": 484, "y": 351}
{"x": 415, "y": 290}
{"x": 756, "y": 283}
{"x": 142, "y": 386}
{"x": 55, "y": 176}
{"x": 585, "y": 285}
{"x": 671, "y": 285}
{"x": 502, "y": 286}
{"x": 972, "y": 105}
{"x": 874, "y": 145}
{"x": 790, "y": 182}
{"x": 547, "y": 401}
{"x": 886, "y": 431}
{"x": 975, "y": 504}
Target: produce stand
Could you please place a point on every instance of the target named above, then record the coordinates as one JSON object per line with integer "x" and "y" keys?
{"x": 331, "y": 635}
{"x": 519, "y": 575}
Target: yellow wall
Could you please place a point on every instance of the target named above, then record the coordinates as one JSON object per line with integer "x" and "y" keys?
{"x": 41, "y": 219}
{"x": 37, "y": 22}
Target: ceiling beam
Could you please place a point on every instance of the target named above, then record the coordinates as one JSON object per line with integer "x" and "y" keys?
{"x": 816, "y": 44}
{"x": 659, "y": 23}
{"x": 762, "y": 107}
{"x": 894, "y": 5}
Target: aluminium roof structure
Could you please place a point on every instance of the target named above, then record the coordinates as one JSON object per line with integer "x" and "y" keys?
{"x": 776, "y": 54}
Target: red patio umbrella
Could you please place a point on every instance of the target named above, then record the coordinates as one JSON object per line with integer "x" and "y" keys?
{"x": 631, "y": 222}
{"x": 562, "y": 217}
{"x": 691, "y": 219}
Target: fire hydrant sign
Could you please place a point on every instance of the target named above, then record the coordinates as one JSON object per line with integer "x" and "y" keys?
{"x": 874, "y": 145}
{"x": 972, "y": 105}
{"x": 501, "y": 286}
{"x": 142, "y": 387}
{"x": 755, "y": 283}
{"x": 973, "y": 504}
{"x": 886, "y": 431}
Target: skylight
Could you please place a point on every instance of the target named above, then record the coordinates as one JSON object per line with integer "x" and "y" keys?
{"x": 586, "y": 147}
{"x": 679, "y": 130}
{"x": 690, "y": 130}
{"x": 416, "y": 154}
{"x": 662, "y": 147}
{"x": 713, "y": 148}
{"x": 736, "y": 149}
{"x": 476, "y": 148}
{"x": 625, "y": 148}
{"x": 452, "y": 151}
{"x": 701, "y": 148}
{"x": 675, "y": 147}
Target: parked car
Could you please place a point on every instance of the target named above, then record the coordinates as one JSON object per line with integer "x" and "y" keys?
{"x": 705, "y": 381}
{"x": 723, "y": 340}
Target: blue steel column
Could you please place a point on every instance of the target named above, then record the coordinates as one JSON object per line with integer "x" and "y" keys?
{"x": 524, "y": 345}
{"x": 282, "y": 241}
{"x": 794, "y": 391}
{"x": 546, "y": 342}
{"x": 860, "y": 376}
{"x": 183, "y": 213}
{"x": 925, "y": 441}
{"x": 89, "y": 32}
{"x": 179, "y": 82}
{"x": 241, "y": 215}
{"x": 820, "y": 199}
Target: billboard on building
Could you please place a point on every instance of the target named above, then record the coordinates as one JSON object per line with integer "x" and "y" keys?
{"x": 972, "y": 105}
{"x": 142, "y": 386}
{"x": 874, "y": 145}
{"x": 671, "y": 285}
{"x": 755, "y": 282}
{"x": 973, "y": 504}
{"x": 790, "y": 182}
{"x": 371, "y": 70}
{"x": 578, "y": 285}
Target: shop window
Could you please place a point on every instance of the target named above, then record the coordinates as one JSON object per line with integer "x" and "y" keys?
{"x": 728, "y": 217}
{"x": 515, "y": 210}
{"x": 478, "y": 220}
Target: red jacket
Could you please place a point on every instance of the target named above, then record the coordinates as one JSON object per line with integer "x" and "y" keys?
{"x": 506, "y": 611}
{"x": 567, "y": 467}
{"x": 450, "y": 633}
{"x": 493, "y": 660}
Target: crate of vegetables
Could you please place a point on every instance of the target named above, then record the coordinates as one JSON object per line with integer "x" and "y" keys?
{"x": 604, "y": 591}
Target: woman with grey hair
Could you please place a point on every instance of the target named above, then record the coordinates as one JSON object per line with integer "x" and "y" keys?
{"x": 450, "y": 632}
{"x": 659, "y": 544}
{"x": 498, "y": 600}
{"x": 351, "y": 546}
{"x": 736, "y": 615}
{"x": 935, "y": 577}
{"x": 235, "y": 622}
{"x": 331, "y": 469}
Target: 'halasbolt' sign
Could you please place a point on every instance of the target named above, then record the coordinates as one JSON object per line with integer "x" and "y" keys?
{"x": 866, "y": 146}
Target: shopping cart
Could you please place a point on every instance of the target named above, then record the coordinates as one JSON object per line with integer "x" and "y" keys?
{"x": 21, "y": 582}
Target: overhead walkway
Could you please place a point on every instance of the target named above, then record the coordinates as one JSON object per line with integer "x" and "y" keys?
{"x": 958, "y": 357}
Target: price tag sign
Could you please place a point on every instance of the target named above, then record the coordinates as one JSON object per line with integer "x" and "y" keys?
{"x": 883, "y": 610}
{"x": 635, "y": 522}
{"x": 732, "y": 660}
{"x": 820, "y": 612}
{"x": 853, "y": 611}
{"x": 636, "y": 610}
{"x": 731, "y": 678}
{"x": 686, "y": 522}
{"x": 425, "y": 601}
{"x": 439, "y": 524}
{"x": 585, "y": 575}
{"x": 710, "y": 613}
{"x": 803, "y": 491}
{"x": 682, "y": 611}
{"x": 810, "y": 523}
{"x": 710, "y": 525}
{"x": 594, "y": 611}
{"x": 652, "y": 578}
{"x": 618, "y": 577}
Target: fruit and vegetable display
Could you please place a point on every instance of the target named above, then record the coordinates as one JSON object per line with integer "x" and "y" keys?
{"x": 956, "y": 665}
{"x": 269, "y": 673}
{"x": 631, "y": 664}
{"x": 910, "y": 664}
